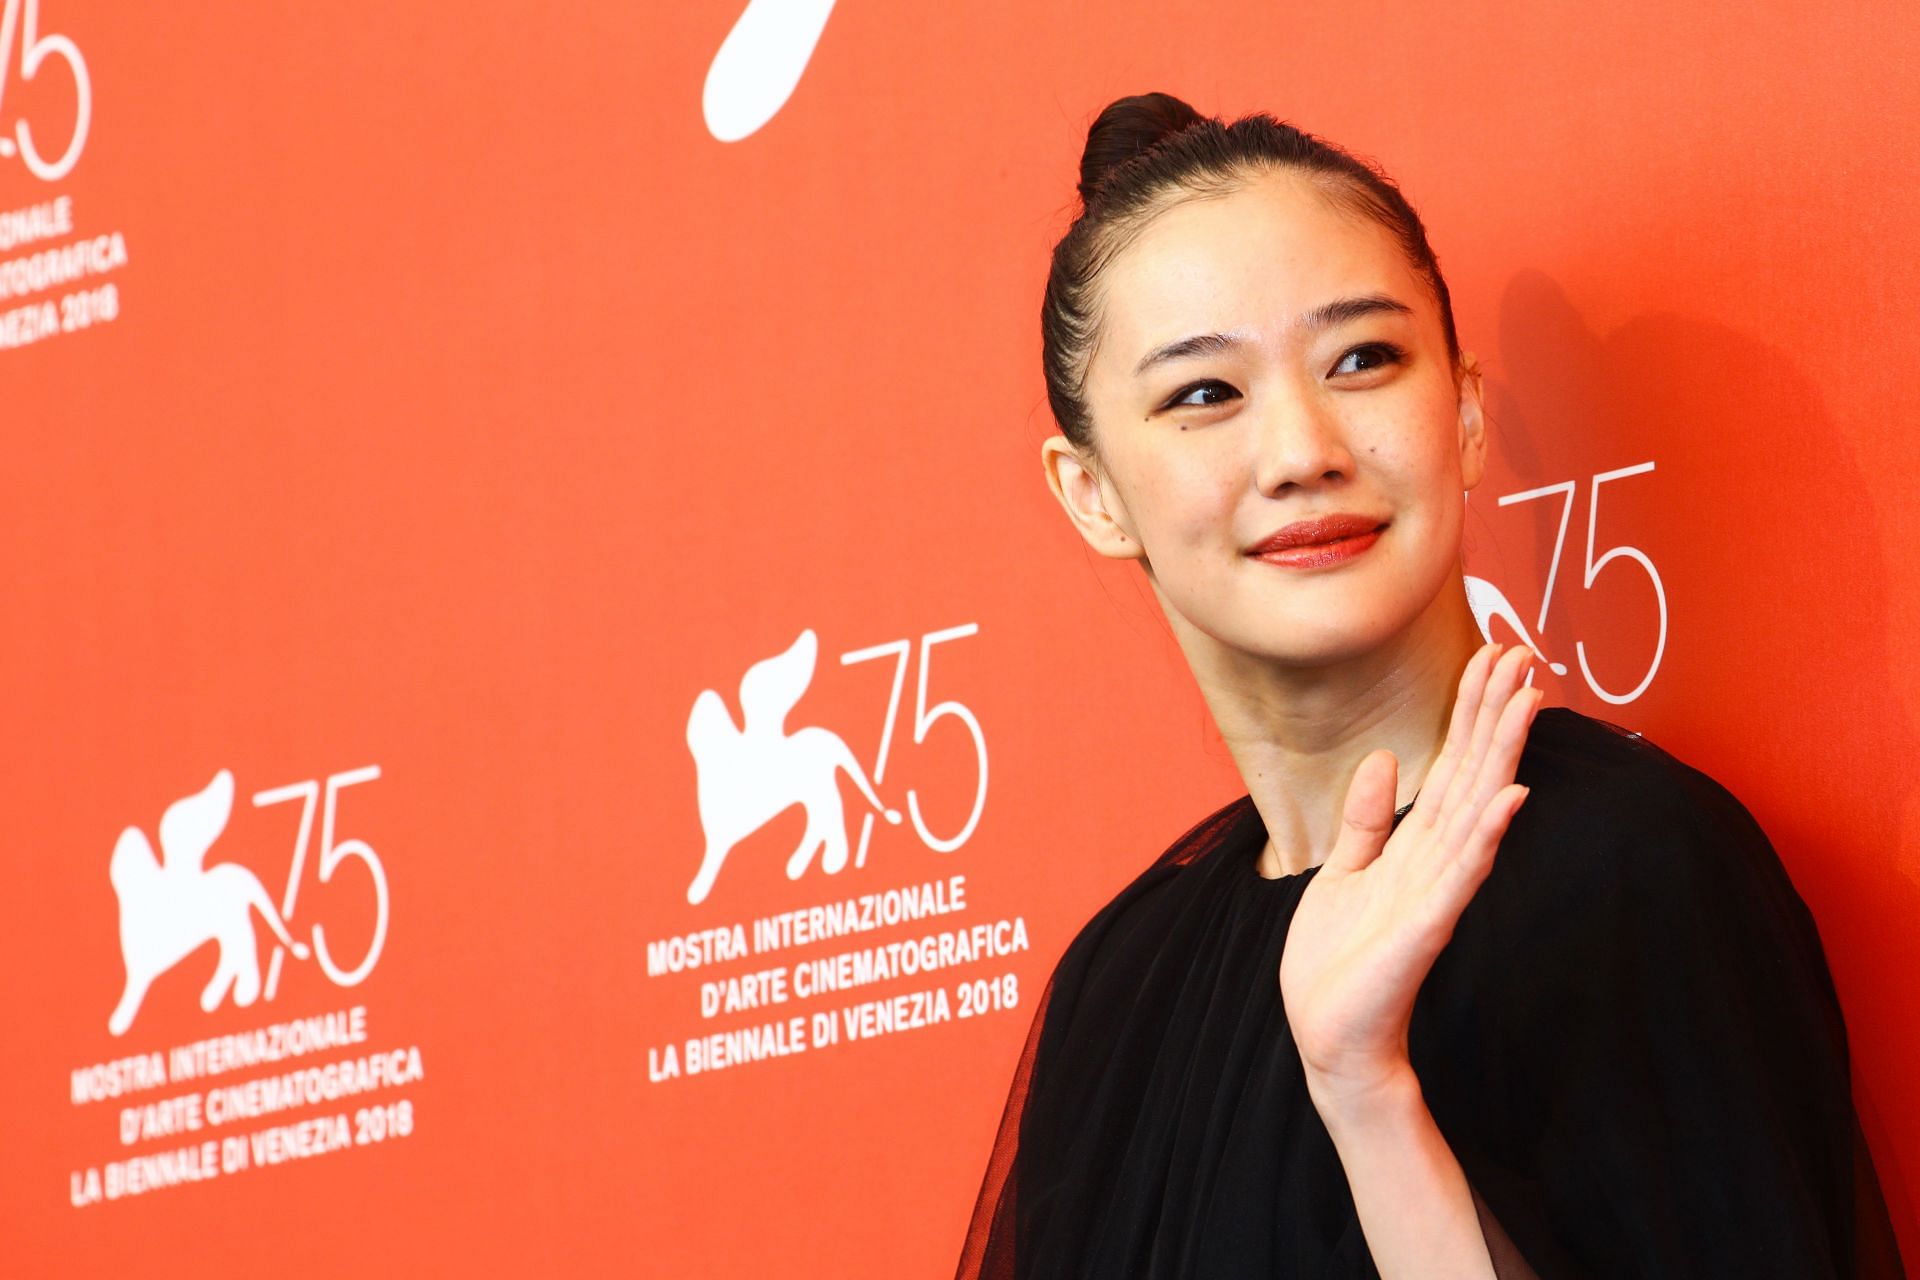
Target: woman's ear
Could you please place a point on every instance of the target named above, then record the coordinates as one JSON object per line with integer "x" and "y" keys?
{"x": 1087, "y": 498}
{"x": 1473, "y": 422}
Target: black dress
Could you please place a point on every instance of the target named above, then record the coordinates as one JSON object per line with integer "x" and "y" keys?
{"x": 1631, "y": 1043}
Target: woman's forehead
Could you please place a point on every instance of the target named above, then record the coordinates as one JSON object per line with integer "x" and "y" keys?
{"x": 1256, "y": 259}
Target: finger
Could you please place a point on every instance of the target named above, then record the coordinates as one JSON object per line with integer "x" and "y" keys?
{"x": 1503, "y": 752}
{"x": 1473, "y": 682}
{"x": 1489, "y": 774}
{"x": 1461, "y": 877}
{"x": 1496, "y": 768}
{"x": 1367, "y": 818}
{"x": 1502, "y": 682}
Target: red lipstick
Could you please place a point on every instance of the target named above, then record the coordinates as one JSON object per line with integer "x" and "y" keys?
{"x": 1324, "y": 540}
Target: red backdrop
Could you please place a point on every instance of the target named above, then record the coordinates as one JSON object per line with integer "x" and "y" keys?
{"x": 440, "y": 399}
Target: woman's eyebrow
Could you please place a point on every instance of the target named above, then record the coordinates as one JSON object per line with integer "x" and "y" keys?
{"x": 1200, "y": 344}
{"x": 1345, "y": 309}
{"x": 1324, "y": 316}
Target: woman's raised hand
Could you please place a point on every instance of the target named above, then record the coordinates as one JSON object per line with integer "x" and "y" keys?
{"x": 1377, "y": 913}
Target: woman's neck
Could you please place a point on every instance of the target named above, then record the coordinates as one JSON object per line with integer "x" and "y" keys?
{"x": 1297, "y": 734}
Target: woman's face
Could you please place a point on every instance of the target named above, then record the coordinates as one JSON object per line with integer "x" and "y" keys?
{"x": 1312, "y": 379}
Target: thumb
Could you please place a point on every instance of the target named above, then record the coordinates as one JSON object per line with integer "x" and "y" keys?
{"x": 1367, "y": 819}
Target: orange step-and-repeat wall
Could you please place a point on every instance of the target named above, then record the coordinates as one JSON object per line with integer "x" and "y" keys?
{"x": 485, "y": 484}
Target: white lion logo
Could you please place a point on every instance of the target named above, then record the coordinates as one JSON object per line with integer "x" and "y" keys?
{"x": 748, "y": 775}
{"x": 169, "y": 910}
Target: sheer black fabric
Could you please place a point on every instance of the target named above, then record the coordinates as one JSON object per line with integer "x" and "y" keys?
{"x": 1632, "y": 1044}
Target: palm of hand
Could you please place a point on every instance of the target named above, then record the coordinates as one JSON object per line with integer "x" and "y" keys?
{"x": 1380, "y": 909}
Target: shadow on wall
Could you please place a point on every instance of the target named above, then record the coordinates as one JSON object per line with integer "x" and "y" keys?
{"x": 1776, "y": 673}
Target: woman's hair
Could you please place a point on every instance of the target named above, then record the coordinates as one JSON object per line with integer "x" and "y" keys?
{"x": 1151, "y": 151}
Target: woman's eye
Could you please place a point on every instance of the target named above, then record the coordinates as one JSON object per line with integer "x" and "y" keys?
{"x": 1186, "y": 395}
{"x": 1374, "y": 355}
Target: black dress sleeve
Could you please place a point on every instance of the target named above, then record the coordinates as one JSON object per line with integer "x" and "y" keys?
{"x": 1669, "y": 1061}
{"x": 1024, "y": 1167}
{"x": 1508, "y": 1262}
{"x": 989, "y": 1252}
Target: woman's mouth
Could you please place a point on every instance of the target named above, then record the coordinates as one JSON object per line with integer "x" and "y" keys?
{"x": 1313, "y": 544}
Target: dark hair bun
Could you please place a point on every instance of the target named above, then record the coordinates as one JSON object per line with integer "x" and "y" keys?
{"x": 1126, "y": 128}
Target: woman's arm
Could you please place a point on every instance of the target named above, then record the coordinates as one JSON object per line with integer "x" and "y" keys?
{"x": 1420, "y": 1216}
{"x": 1366, "y": 932}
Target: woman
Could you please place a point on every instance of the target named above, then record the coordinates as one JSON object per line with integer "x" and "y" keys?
{"x": 1328, "y": 1033}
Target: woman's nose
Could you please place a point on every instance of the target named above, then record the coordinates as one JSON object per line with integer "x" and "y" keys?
{"x": 1299, "y": 442}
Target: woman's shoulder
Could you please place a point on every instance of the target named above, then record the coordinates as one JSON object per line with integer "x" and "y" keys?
{"x": 1638, "y": 862}
{"x": 1617, "y": 781}
{"x": 1613, "y": 815}
{"x": 1586, "y": 756}
{"x": 1170, "y": 874}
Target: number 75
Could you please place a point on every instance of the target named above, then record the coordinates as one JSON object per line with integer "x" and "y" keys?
{"x": 1496, "y": 603}
{"x": 332, "y": 854}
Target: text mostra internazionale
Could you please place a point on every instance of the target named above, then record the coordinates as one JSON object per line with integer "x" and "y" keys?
{"x": 803, "y": 925}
